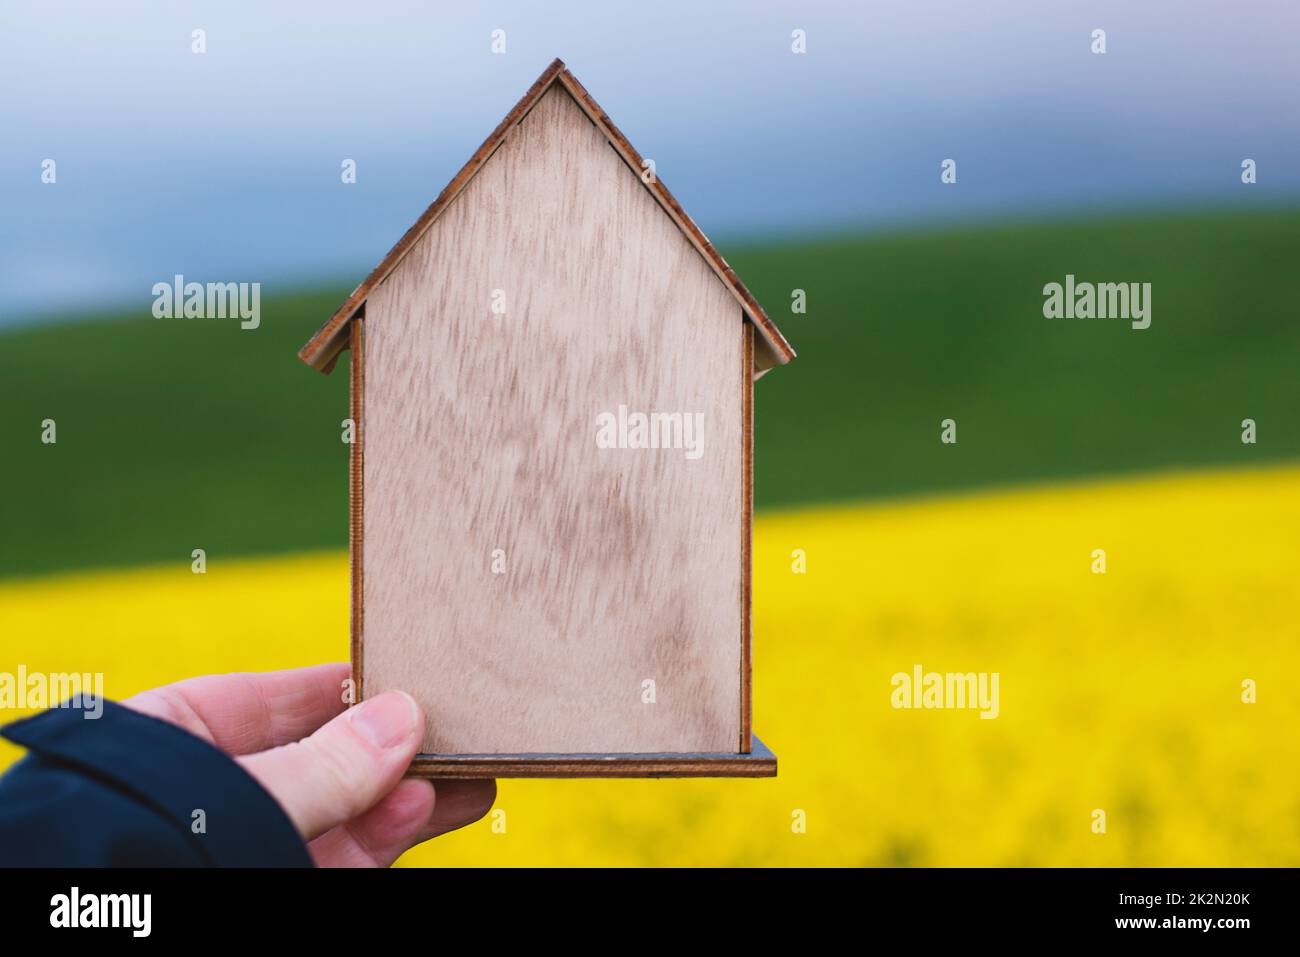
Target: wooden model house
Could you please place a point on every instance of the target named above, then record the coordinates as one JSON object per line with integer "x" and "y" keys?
{"x": 551, "y": 478}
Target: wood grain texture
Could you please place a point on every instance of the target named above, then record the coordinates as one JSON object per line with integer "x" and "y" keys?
{"x": 322, "y": 350}
{"x": 480, "y": 434}
{"x": 759, "y": 763}
{"x": 775, "y": 349}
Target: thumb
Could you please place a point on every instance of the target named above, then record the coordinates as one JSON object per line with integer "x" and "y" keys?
{"x": 345, "y": 767}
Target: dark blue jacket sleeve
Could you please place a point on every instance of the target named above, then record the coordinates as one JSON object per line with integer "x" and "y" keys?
{"x": 127, "y": 790}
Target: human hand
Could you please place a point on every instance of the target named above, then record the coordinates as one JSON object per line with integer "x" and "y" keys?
{"x": 336, "y": 771}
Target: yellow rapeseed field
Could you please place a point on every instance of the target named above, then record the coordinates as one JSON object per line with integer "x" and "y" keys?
{"x": 1119, "y": 692}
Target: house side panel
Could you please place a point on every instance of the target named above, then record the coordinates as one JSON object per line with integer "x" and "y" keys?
{"x": 356, "y": 498}
{"x": 747, "y": 333}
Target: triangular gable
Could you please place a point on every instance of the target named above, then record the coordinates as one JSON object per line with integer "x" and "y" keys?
{"x": 771, "y": 348}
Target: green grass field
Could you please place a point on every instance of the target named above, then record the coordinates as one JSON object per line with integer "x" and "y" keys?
{"x": 181, "y": 434}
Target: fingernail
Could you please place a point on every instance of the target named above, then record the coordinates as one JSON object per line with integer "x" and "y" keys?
{"x": 388, "y": 720}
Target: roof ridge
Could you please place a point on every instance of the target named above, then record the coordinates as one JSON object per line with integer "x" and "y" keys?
{"x": 321, "y": 351}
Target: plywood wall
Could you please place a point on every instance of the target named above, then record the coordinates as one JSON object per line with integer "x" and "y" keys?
{"x": 621, "y": 565}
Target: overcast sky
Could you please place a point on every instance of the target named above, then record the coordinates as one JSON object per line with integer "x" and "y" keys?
{"x": 225, "y": 165}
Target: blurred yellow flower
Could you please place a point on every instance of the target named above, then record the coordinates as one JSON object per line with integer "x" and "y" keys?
{"x": 1120, "y": 692}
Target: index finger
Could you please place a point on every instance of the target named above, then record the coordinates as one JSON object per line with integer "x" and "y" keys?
{"x": 249, "y": 711}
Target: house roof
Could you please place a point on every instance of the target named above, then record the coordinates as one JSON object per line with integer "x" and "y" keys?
{"x": 771, "y": 348}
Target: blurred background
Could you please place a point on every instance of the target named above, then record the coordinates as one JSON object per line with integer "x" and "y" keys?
{"x": 817, "y": 171}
